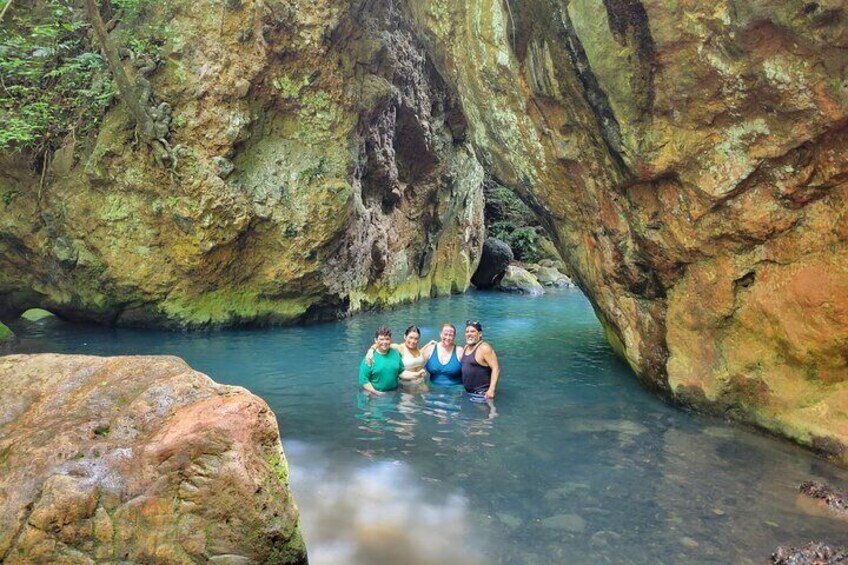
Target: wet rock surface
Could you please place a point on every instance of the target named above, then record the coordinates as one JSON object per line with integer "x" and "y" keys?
{"x": 138, "y": 459}
{"x": 813, "y": 553}
{"x": 494, "y": 261}
{"x": 835, "y": 499}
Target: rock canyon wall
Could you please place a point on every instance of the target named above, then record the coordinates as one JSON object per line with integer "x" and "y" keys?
{"x": 691, "y": 160}
{"x": 688, "y": 159}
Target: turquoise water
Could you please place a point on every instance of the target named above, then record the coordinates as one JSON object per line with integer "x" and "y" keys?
{"x": 579, "y": 464}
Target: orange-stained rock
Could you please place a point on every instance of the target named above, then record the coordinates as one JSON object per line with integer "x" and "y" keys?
{"x": 692, "y": 160}
{"x": 138, "y": 459}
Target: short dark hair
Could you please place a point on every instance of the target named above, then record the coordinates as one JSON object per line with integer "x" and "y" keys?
{"x": 448, "y": 325}
{"x": 411, "y": 329}
{"x": 383, "y": 330}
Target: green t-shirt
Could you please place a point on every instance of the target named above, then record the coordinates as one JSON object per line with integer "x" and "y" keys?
{"x": 383, "y": 372}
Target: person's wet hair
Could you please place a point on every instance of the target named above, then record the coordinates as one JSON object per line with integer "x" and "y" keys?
{"x": 448, "y": 325}
{"x": 411, "y": 329}
{"x": 383, "y": 330}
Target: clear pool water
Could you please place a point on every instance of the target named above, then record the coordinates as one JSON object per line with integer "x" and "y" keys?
{"x": 580, "y": 464}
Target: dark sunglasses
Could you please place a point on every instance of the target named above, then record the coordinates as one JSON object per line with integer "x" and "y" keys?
{"x": 474, "y": 324}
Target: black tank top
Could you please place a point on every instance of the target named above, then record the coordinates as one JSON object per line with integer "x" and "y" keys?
{"x": 475, "y": 377}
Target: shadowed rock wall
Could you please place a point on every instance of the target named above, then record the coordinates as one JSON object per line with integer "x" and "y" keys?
{"x": 691, "y": 161}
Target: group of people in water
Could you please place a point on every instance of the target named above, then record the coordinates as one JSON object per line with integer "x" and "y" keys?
{"x": 388, "y": 366}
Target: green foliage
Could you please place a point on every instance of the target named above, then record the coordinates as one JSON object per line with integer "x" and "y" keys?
{"x": 52, "y": 82}
{"x": 53, "y": 79}
{"x": 524, "y": 241}
{"x": 503, "y": 205}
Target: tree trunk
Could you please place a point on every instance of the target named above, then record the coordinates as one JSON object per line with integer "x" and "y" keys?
{"x": 126, "y": 89}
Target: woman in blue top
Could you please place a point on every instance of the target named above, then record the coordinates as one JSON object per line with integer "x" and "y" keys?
{"x": 443, "y": 359}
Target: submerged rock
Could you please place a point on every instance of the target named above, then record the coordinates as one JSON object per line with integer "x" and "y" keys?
{"x": 835, "y": 499}
{"x": 813, "y": 553}
{"x": 519, "y": 280}
{"x": 568, "y": 522}
{"x": 138, "y": 459}
{"x": 494, "y": 261}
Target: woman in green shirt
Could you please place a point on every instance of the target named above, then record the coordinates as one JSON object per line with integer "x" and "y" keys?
{"x": 382, "y": 374}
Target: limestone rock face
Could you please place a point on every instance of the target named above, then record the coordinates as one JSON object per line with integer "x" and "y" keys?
{"x": 138, "y": 459}
{"x": 323, "y": 167}
{"x": 692, "y": 161}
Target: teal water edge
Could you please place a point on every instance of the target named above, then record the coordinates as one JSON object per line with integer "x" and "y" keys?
{"x": 580, "y": 464}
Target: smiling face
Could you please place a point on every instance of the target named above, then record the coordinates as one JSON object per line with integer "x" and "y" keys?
{"x": 472, "y": 335}
{"x": 383, "y": 342}
{"x": 411, "y": 340}
{"x": 448, "y": 336}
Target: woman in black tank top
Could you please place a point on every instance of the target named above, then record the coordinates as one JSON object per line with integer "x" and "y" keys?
{"x": 475, "y": 377}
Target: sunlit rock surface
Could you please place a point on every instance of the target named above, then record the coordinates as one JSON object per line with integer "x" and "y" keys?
{"x": 138, "y": 459}
{"x": 691, "y": 161}
{"x": 323, "y": 169}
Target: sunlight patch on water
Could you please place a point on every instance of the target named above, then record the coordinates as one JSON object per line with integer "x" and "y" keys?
{"x": 377, "y": 513}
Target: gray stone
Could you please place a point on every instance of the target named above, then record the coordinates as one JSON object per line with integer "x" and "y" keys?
{"x": 493, "y": 263}
{"x": 520, "y": 281}
{"x": 223, "y": 166}
{"x": 550, "y": 276}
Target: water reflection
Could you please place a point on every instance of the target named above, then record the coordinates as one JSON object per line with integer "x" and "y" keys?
{"x": 377, "y": 513}
{"x": 442, "y": 415}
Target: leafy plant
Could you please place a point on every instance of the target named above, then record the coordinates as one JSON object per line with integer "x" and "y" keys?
{"x": 53, "y": 79}
{"x": 524, "y": 241}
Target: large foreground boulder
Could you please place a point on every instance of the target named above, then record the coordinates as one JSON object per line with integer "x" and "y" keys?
{"x": 138, "y": 459}
{"x": 493, "y": 263}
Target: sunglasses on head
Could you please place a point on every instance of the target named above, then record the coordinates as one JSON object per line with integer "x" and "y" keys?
{"x": 474, "y": 324}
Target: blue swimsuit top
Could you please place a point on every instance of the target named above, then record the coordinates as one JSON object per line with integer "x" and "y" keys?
{"x": 447, "y": 374}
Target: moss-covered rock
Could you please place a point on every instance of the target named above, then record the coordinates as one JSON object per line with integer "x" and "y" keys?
{"x": 518, "y": 280}
{"x": 318, "y": 172}
{"x": 37, "y": 315}
{"x": 7, "y": 337}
